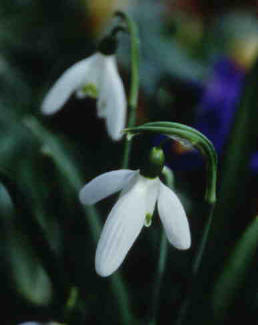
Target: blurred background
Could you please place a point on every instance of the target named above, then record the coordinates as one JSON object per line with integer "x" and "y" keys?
{"x": 198, "y": 67}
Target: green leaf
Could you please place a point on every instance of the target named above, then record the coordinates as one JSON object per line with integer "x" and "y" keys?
{"x": 53, "y": 148}
{"x": 235, "y": 271}
{"x": 26, "y": 271}
{"x": 30, "y": 278}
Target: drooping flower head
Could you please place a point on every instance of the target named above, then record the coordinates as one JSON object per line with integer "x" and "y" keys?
{"x": 134, "y": 209}
{"x": 97, "y": 77}
{"x": 37, "y": 323}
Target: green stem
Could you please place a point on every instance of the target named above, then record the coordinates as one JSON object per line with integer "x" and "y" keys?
{"x": 117, "y": 284}
{"x": 195, "y": 268}
{"x": 158, "y": 278}
{"x": 198, "y": 257}
{"x": 134, "y": 83}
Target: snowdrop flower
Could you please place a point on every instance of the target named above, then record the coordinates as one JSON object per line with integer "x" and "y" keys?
{"x": 36, "y": 323}
{"x": 132, "y": 211}
{"x": 97, "y": 77}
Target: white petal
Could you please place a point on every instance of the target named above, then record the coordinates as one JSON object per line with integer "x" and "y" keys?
{"x": 105, "y": 185}
{"x": 93, "y": 76}
{"x": 151, "y": 198}
{"x": 122, "y": 227}
{"x": 112, "y": 99}
{"x": 173, "y": 217}
{"x": 152, "y": 193}
{"x": 80, "y": 94}
{"x": 72, "y": 79}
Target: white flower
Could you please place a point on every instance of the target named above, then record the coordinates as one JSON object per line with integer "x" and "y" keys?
{"x": 96, "y": 76}
{"x": 36, "y": 323}
{"x": 128, "y": 216}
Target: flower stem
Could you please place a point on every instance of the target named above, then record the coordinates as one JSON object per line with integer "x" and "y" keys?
{"x": 198, "y": 257}
{"x": 234, "y": 173}
{"x": 134, "y": 83}
{"x": 195, "y": 268}
{"x": 169, "y": 180}
{"x": 159, "y": 277}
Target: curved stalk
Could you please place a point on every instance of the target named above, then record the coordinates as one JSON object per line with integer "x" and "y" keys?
{"x": 134, "y": 83}
{"x": 196, "y": 139}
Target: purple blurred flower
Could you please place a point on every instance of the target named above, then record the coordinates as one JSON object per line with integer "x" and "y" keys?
{"x": 219, "y": 102}
{"x": 215, "y": 114}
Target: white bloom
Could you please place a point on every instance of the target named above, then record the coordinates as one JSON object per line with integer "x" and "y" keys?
{"x": 128, "y": 216}
{"x": 36, "y": 323}
{"x": 96, "y": 76}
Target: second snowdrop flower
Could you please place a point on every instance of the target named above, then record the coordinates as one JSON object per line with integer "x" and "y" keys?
{"x": 133, "y": 210}
{"x": 97, "y": 77}
{"x": 36, "y": 323}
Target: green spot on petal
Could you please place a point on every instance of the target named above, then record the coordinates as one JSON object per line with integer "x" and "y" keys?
{"x": 90, "y": 90}
{"x": 148, "y": 220}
